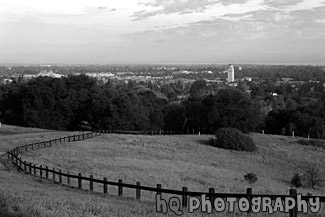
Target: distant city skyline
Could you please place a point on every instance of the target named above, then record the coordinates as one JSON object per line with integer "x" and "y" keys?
{"x": 162, "y": 31}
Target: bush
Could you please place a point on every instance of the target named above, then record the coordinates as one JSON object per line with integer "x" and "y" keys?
{"x": 312, "y": 142}
{"x": 313, "y": 178}
{"x": 250, "y": 177}
{"x": 296, "y": 180}
{"x": 231, "y": 138}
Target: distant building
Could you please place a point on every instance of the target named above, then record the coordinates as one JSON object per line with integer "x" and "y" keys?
{"x": 246, "y": 79}
{"x": 7, "y": 81}
{"x": 231, "y": 73}
{"x": 287, "y": 79}
{"x": 49, "y": 74}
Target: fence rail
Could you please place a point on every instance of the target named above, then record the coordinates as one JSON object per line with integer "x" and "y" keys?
{"x": 151, "y": 132}
{"x": 58, "y": 176}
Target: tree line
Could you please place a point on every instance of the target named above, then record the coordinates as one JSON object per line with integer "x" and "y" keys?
{"x": 69, "y": 102}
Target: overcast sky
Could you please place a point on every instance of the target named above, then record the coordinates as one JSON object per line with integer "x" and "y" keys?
{"x": 162, "y": 31}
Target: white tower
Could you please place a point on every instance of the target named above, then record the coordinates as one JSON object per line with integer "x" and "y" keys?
{"x": 231, "y": 73}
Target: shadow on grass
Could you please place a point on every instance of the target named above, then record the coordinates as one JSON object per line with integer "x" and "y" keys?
{"x": 204, "y": 141}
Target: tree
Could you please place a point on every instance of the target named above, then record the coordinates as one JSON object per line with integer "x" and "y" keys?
{"x": 236, "y": 110}
{"x": 175, "y": 118}
{"x": 198, "y": 89}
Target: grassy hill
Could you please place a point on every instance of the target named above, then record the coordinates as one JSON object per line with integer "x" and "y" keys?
{"x": 173, "y": 161}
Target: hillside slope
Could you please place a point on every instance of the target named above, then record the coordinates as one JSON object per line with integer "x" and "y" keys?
{"x": 173, "y": 161}
{"x": 177, "y": 161}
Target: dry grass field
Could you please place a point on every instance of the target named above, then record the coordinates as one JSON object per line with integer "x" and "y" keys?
{"x": 173, "y": 161}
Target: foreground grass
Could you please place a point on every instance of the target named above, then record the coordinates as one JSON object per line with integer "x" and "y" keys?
{"x": 174, "y": 161}
{"x": 177, "y": 161}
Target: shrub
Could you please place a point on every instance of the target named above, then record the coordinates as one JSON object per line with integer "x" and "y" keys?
{"x": 296, "y": 180}
{"x": 312, "y": 142}
{"x": 231, "y": 138}
{"x": 313, "y": 178}
{"x": 250, "y": 177}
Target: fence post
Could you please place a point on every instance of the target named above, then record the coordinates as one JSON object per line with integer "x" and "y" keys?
{"x": 60, "y": 176}
{"x": 47, "y": 172}
{"x": 120, "y": 188}
{"x": 249, "y": 197}
{"x": 138, "y": 192}
{"x": 40, "y": 171}
{"x": 79, "y": 181}
{"x": 211, "y": 198}
{"x": 91, "y": 183}
{"x": 105, "y": 185}
{"x": 50, "y": 143}
{"x": 30, "y": 168}
{"x": 293, "y": 212}
{"x": 20, "y": 162}
{"x": 158, "y": 188}
{"x": 68, "y": 178}
{"x": 25, "y": 166}
{"x": 184, "y": 197}
{"x": 35, "y": 169}
{"x": 53, "y": 175}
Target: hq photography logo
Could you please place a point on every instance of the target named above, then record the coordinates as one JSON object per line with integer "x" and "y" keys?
{"x": 257, "y": 205}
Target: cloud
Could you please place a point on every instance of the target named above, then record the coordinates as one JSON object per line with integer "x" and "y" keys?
{"x": 231, "y": 2}
{"x": 110, "y": 10}
{"x": 207, "y": 32}
{"x": 281, "y": 3}
{"x": 269, "y": 24}
{"x": 188, "y": 28}
{"x": 169, "y": 7}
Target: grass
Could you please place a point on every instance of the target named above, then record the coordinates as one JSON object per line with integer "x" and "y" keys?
{"x": 312, "y": 142}
{"x": 173, "y": 161}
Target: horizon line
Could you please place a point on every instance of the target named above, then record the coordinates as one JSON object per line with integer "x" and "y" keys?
{"x": 157, "y": 63}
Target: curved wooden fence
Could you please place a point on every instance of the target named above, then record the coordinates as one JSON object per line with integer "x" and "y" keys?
{"x": 151, "y": 132}
{"x": 65, "y": 178}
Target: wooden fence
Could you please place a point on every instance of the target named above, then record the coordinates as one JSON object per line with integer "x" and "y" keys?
{"x": 150, "y": 132}
{"x": 66, "y": 178}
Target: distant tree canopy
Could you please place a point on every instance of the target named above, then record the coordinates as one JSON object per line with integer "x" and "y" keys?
{"x": 67, "y": 103}
{"x": 63, "y": 104}
{"x": 228, "y": 108}
{"x": 305, "y": 120}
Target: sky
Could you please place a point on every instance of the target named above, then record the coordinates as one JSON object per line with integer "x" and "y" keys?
{"x": 162, "y": 31}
